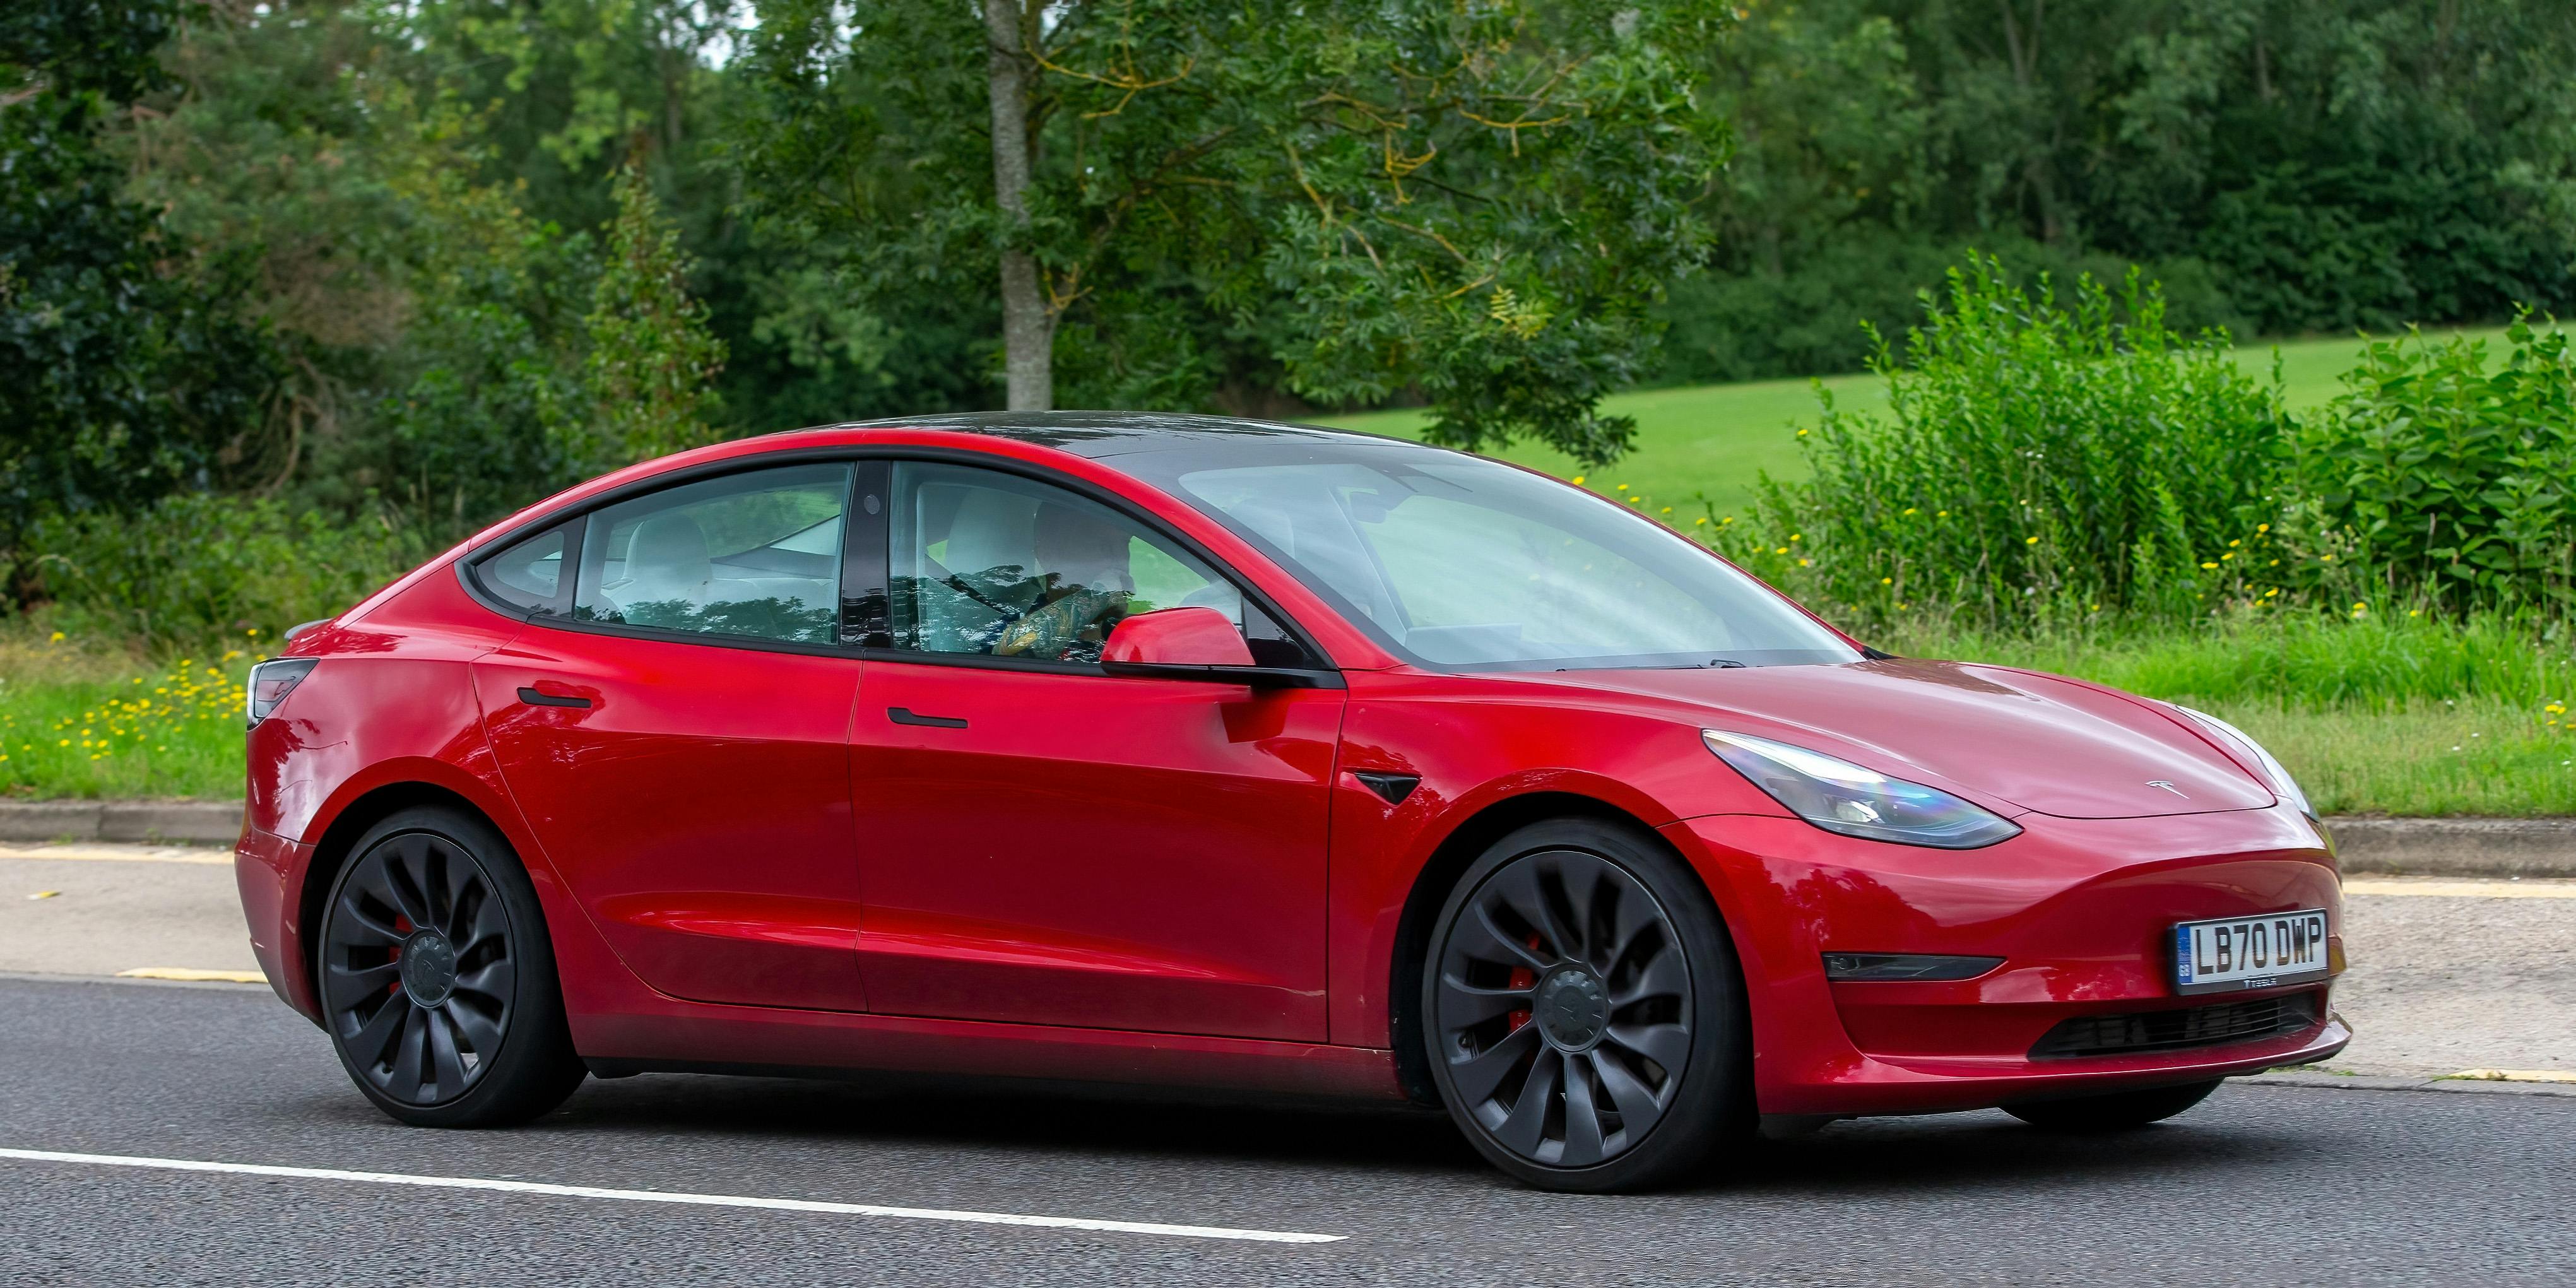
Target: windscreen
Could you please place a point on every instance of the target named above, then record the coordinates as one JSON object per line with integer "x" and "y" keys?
{"x": 1461, "y": 563}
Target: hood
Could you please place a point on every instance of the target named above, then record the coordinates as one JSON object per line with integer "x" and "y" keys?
{"x": 2039, "y": 742}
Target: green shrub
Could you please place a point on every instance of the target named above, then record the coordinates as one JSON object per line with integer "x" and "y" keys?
{"x": 2039, "y": 461}
{"x": 197, "y": 568}
{"x": 2433, "y": 480}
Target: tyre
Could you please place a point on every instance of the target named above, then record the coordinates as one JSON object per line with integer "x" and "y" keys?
{"x": 2117, "y": 1111}
{"x": 1583, "y": 1012}
{"x": 437, "y": 979}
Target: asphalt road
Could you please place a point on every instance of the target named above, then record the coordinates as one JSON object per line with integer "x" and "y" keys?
{"x": 2262, "y": 1184}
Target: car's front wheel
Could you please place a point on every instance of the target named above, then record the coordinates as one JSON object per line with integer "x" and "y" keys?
{"x": 437, "y": 979}
{"x": 2117, "y": 1111}
{"x": 1583, "y": 1011}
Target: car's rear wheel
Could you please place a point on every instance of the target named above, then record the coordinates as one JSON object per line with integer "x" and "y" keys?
{"x": 2117, "y": 1111}
{"x": 437, "y": 979}
{"x": 1583, "y": 1011}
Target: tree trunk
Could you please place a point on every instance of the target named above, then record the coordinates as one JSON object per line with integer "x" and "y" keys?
{"x": 1028, "y": 328}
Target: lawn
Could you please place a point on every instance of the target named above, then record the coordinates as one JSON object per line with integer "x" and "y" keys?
{"x": 2403, "y": 718}
{"x": 2372, "y": 717}
{"x": 90, "y": 724}
{"x": 1716, "y": 439}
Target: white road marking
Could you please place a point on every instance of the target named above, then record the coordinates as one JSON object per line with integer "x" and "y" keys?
{"x": 120, "y": 853}
{"x": 2437, "y": 889}
{"x": 658, "y": 1196}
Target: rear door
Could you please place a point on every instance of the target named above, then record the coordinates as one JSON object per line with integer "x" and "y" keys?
{"x": 675, "y": 727}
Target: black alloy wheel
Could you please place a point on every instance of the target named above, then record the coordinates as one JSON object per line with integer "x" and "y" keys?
{"x": 1582, "y": 1010}
{"x": 437, "y": 980}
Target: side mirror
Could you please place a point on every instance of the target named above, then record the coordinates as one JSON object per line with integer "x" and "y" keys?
{"x": 1177, "y": 637}
{"x": 1194, "y": 644}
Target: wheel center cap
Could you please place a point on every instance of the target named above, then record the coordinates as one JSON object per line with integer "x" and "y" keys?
{"x": 1572, "y": 1009}
{"x": 428, "y": 967}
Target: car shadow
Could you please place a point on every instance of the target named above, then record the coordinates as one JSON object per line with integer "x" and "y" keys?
{"x": 1947, "y": 1151}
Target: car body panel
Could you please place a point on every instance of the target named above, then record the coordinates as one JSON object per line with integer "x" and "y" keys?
{"x": 698, "y": 808}
{"x": 2081, "y": 911}
{"x": 743, "y": 863}
{"x": 1125, "y": 853}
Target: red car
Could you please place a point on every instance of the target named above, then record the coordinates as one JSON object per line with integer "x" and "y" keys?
{"x": 1180, "y": 750}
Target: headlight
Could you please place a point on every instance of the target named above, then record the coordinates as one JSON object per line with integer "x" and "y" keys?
{"x": 1840, "y": 796}
{"x": 2279, "y": 777}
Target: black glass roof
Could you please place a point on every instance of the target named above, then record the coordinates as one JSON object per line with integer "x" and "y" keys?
{"x": 1097, "y": 434}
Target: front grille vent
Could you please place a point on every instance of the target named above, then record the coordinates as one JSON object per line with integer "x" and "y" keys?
{"x": 2197, "y": 1026}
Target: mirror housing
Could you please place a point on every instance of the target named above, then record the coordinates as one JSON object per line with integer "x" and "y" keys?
{"x": 1177, "y": 637}
{"x": 1195, "y": 644}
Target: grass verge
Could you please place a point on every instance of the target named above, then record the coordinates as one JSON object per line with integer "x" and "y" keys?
{"x": 2402, "y": 717}
{"x": 2399, "y": 718}
{"x": 85, "y": 724}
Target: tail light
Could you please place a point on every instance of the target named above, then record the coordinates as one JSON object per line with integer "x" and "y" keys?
{"x": 270, "y": 682}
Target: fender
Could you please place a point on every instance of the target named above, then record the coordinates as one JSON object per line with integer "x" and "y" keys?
{"x": 1532, "y": 732}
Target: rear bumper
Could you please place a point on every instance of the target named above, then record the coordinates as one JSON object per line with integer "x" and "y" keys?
{"x": 270, "y": 871}
{"x": 2081, "y": 911}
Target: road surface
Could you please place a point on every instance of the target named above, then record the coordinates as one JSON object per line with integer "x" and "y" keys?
{"x": 2262, "y": 1184}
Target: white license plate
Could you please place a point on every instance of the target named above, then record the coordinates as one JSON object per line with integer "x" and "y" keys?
{"x": 2250, "y": 952}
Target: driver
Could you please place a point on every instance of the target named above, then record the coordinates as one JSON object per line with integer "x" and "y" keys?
{"x": 1083, "y": 557}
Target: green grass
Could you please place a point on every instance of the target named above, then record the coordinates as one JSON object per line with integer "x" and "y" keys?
{"x": 109, "y": 725}
{"x": 1717, "y": 439}
{"x": 2404, "y": 718}
{"x": 2397, "y": 717}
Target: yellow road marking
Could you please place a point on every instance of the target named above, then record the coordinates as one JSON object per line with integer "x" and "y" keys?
{"x": 193, "y": 975}
{"x": 2514, "y": 1075}
{"x": 129, "y": 854}
{"x": 2545, "y": 889}
{"x": 45, "y": 894}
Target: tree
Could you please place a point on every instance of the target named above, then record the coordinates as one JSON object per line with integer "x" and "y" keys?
{"x": 1479, "y": 202}
{"x": 651, "y": 359}
{"x": 129, "y": 369}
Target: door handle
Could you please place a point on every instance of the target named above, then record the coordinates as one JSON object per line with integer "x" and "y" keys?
{"x": 536, "y": 699}
{"x": 905, "y": 716}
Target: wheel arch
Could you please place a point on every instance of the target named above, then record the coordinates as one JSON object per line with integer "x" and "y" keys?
{"x": 339, "y": 840}
{"x": 1439, "y": 875}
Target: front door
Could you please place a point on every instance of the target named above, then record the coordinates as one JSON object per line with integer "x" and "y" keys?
{"x": 1042, "y": 843}
{"x": 680, "y": 745}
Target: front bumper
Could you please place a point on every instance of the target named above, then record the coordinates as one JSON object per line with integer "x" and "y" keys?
{"x": 2080, "y": 910}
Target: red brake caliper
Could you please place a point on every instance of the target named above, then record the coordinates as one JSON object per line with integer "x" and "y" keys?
{"x": 1522, "y": 978}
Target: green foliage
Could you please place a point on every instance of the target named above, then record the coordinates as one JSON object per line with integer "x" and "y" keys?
{"x": 430, "y": 322}
{"x": 651, "y": 359}
{"x": 129, "y": 367}
{"x": 195, "y": 569}
{"x": 1476, "y": 202}
{"x": 2435, "y": 480}
{"x": 2038, "y": 461}
{"x": 2284, "y": 166}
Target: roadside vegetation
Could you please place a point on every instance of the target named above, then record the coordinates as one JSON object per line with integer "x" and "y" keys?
{"x": 305, "y": 291}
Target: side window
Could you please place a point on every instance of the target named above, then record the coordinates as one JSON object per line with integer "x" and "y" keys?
{"x": 530, "y": 573}
{"x": 993, "y": 564}
{"x": 756, "y": 554}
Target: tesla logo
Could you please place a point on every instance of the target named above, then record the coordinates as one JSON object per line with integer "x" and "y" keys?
{"x": 2158, "y": 782}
